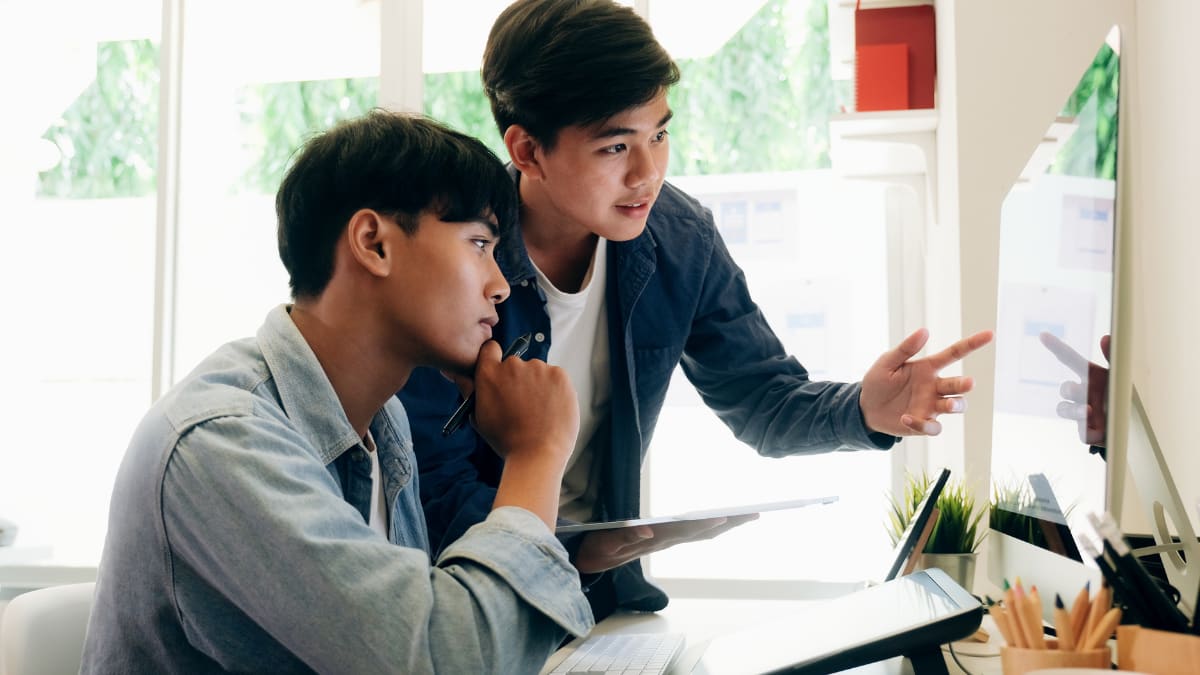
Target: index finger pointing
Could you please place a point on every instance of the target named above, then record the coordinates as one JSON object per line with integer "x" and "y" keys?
{"x": 1063, "y": 352}
{"x": 959, "y": 350}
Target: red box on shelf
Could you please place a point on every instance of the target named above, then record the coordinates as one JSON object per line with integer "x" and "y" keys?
{"x": 885, "y": 27}
{"x": 881, "y": 77}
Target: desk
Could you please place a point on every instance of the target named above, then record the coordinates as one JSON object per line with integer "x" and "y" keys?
{"x": 702, "y": 619}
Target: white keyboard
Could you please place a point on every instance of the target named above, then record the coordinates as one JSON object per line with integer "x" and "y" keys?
{"x": 623, "y": 654}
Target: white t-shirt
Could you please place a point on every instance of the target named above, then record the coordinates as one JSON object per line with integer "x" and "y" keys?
{"x": 579, "y": 345}
{"x": 379, "y": 510}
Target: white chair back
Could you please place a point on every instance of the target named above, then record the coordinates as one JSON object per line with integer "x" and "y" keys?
{"x": 41, "y": 632}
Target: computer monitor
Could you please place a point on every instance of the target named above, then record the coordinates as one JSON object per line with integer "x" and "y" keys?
{"x": 1055, "y": 308}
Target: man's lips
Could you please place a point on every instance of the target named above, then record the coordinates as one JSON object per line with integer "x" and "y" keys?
{"x": 636, "y": 203}
{"x": 488, "y": 324}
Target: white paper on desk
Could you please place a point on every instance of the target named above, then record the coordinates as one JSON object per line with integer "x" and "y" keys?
{"x": 727, "y": 512}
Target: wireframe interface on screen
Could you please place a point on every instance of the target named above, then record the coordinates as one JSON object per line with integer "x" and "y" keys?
{"x": 1054, "y": 313}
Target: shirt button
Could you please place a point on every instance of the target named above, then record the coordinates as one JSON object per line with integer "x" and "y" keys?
{"x": 539, "y": 337}
{"x": 524, "y": 282}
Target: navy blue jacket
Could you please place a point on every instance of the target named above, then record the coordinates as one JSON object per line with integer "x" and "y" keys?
{"x": 674, "y": 296}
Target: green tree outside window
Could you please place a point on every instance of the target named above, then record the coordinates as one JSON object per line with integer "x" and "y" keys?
{"x": 108, "y": 137}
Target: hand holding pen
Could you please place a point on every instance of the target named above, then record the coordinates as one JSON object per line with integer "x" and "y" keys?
{"x": 464, "y": 410}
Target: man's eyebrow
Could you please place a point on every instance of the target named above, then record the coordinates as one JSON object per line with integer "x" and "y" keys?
{"x": 609, "y": 132}
{"x": 493, "y": 227}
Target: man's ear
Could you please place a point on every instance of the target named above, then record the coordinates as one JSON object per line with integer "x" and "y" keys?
{"x": 367, "y": 240}
{"x": 523, "y": 150}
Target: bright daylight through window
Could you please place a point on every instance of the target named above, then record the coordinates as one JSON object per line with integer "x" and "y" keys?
{"x": 750, "y": 139}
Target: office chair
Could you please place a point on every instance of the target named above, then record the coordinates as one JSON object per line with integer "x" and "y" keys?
{"x": 41, "y": 632}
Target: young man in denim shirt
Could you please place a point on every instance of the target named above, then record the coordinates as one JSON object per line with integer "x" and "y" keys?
{"x": 266, "y": 515}
{"x": 620, "y": 276}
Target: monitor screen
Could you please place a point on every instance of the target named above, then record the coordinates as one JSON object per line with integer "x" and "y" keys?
{"x": 1053, "y": 327}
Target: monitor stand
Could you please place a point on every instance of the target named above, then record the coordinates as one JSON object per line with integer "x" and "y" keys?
{"x": 1181, "y": 559}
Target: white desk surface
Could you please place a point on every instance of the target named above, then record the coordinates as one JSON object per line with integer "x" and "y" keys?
{"x": 702, "y": 619}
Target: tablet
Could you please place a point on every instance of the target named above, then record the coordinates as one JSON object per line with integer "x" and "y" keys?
{"x": 728, "y": 512}
{"x": 911, "y": 543}
{"x": 911, "y": 616}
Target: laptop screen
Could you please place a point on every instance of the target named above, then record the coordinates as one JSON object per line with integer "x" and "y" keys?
{"x": 908, "y": 616}
{"x": 912, "y": 540}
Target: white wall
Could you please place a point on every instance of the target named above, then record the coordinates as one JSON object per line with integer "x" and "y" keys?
{"x": 1164, "y": 197}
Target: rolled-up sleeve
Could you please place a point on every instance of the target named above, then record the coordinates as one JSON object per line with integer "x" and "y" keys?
{"x": 516, "y": 545}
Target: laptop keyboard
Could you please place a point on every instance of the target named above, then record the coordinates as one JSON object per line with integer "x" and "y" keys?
{"x": 623, "y": 654}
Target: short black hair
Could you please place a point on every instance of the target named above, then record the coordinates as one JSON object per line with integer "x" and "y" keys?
{"x": 398, "y": 164}
{"x": 551, "y": 64}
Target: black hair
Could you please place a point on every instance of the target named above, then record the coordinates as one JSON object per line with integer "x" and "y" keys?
{"x": 398, "y": 164}
{"x": 550, "y": 64}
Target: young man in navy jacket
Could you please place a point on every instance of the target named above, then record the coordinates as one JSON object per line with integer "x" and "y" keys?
{"x": 619, "y": 276}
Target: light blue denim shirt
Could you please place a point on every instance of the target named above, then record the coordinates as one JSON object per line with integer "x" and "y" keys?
{"x": 231, "y": 545}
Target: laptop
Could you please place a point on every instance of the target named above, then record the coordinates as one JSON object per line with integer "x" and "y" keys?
{"x": 909, "y": 616}
{"x": 899, "y": 614}
{"x": 911, "y": 543}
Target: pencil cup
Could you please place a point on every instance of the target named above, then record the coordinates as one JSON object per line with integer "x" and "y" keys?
{"x": 1018, "y": 661}
{"x": 1157, "y": 652}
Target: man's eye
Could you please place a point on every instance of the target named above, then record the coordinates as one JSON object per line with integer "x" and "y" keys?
{"x": 662, "y": 136}
{"x": 614, "y": 149}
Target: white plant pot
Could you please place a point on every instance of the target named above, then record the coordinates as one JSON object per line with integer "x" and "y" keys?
{"x": 958, "y": 566}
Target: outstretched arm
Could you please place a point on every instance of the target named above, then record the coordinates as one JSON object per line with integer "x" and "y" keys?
{"x": 904, "y": 396}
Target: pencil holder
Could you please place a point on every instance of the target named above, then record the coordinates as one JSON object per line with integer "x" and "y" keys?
{"x": 1157, "y": 652}
{"x": 1018, "y": 660}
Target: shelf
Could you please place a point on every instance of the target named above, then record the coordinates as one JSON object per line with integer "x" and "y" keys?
{"x": 897, "y": 146}
{"x": 884, "y": 122}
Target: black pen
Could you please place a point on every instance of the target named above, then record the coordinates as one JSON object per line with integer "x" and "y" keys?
{"x": 1163, "y": 614}
{"x": 1133, "y": 602}
{"x": 517, "y": 349}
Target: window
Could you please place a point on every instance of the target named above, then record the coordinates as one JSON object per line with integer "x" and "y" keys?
{"x": 79, "y": 132}
{"x": 78, "y": 262}
{"x": 80, "y": 175}
{"x": 750, "y": 140}
{"x": 253, "y": 90}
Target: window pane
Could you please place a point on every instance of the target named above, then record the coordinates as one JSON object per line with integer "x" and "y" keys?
{"x": 254, "y": 89}
{"x": 78, "y": 182}
{"x": 750, "y": 141}
{"x": 455, "y": 34}
{"x": 758, "y": 99}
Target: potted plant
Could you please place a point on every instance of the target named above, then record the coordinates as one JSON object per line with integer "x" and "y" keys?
{"x": 956, "y": 535}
